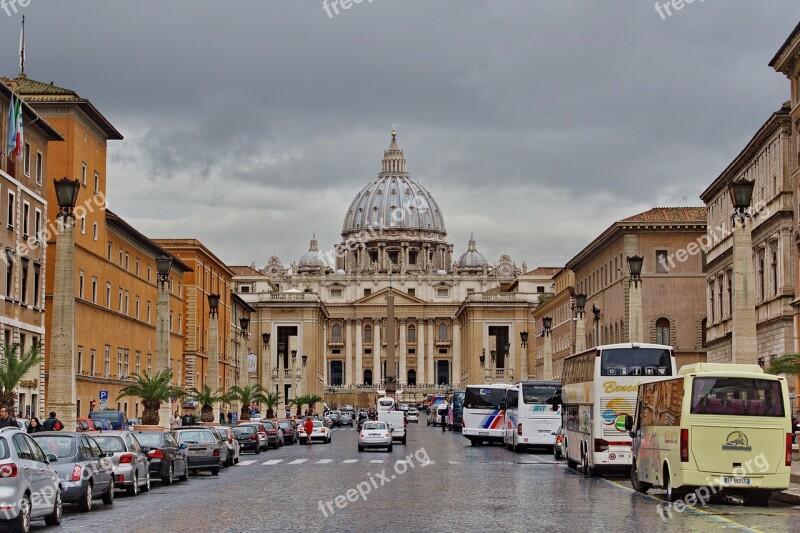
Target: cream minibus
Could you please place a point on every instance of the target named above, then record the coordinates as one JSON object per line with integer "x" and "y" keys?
{"x": 723, "y": 427}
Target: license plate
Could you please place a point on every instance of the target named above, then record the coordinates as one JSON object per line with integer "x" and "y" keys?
{"x": 544, "y": 431}
{"x": 374, "y": 435}
{"x": 197, "y": 451}
{"x": 483, "y": 433}
{"x": 736, "y": 481}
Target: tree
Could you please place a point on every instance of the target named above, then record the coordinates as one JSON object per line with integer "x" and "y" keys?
{"x": 153, "y": 390}
{"x": 788, "y": 364}
{"x": 299, "y": 402}
{"x": 271, "y": 400}
{"x": 311, "y": 400}
{"x": 207, "y": 398}
{"x": 306, "y": 399}
{"x": 247, "y": 395}
{"x": 13, "y": 368}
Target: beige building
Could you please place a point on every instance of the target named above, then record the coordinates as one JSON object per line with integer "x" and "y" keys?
{"x": 765, "y": 161}
{"x": 673, "y": 303}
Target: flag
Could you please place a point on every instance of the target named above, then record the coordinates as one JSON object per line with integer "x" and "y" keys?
{"x": 11, "y": 144}
{"x": 18, "y": 136}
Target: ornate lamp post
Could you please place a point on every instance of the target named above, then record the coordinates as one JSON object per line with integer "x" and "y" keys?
{"x": 635, "y": 319}
{"x": 547, "y": 348}
{"x": 580, "y": 324}
{"x": 744, "y": 336}
{"x": 523, "y": 337}
{"x": 61, "y": 389}
{"x": 213, "y": 347}
{"x": 241, "y": 362}
{"x": 278, "y": 371}
{"x": 163, "y": 268}
{"x": 295, "y": 375}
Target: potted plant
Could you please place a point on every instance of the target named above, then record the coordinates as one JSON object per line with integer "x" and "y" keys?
{"x": 153, "y": 390}
{"x": 13, "y": 368}
{"x": 271, "y": 400}
{"x": 246, "y": 395}
{"x": 207, "y": 398}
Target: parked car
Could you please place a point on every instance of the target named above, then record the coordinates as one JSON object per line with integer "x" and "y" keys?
{"x": 336, "y": 419}
{"x": 28, "y": 482}
{"x": 117, "y": 419}
{"x": 203, "y": 448}
{"x": 413, "y": 415}
{"x": 558, "y": 447}
{"x": 260, "y": 431}
{"x": 289, "y": 431}
{"x": 402, "y": 407}
{"x": 230, "y": 443}
{"x": 168, "y": 459}
{"x": 375, "y": 435}
{"x": 274, "y": 434}
{"x": 347, "y": 420}
{"x": 131, "y": 469}
{"x": 319, "y": 432}
{"x": 247, "y": 437}
{"x": 223, "y": 446}
{"x": 84, "y": 469}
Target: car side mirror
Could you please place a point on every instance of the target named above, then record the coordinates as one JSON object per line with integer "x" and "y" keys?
{"x": 109, "y": 453}
{"x": 628, "y": 422}
{"x": 182, "y": 446}
{"x": 52, "y": 458}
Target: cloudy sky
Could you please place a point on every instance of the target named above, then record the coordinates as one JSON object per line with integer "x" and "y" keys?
{"x": 251, "y": 124}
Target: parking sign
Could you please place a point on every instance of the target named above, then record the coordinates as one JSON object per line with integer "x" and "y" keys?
{"x": 103, "y": 395}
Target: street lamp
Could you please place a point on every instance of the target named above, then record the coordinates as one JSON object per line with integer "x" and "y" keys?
{"x": 580, "y": 302}
{"x": 523, "y": 335}
{"x": 635, "y": 263}
{"x": 265, "y": 339}
{"x": 305, "y": 360}
{"x": 547, "y": 348}
{"x": 294, "y": 356}
{"x": 483, "y": 358}
{"x": 547, "y": 324}
{"x": 67, "y": 195}
{"x": 580, "y": 325}
{"x": 741, "y": 191}
{"x": 244, "y": 323}
{"x": 163, "y": 267}
{"x": 213, "y": 347}
{"x": 213, "y": 303}
{"x": 744, "y": 343}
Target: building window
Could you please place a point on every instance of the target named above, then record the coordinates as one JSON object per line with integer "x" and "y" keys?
{"x": 80, "y": 284}
{"x": 138, "y": 362}
{"x": 442, "y": 292}
{"x": 121, "y": 255}
{"x": 775, "y": 273}
{"x": 119, "y": 363}
{"x": 127, "y": 260}
{"x": 662, "y": 331}
{"x": 127, "y": 301}
{"x": 393, "y": 257}
{"x": 170, "y": 321}
{"x": 127, "y": 365}
{"x": 412, "y": 333}
{"x": 730, "y": 295}
{"x": 108, "y": 295}
{"x": 80, "y": 359}
{"x": 540, "y": 289}
{"x": 336, "y": 293}
{"x": 26, "y": 216}
{"x": 107, "y": 361}
{"x": 336, "y": 332}
{"x": 83, "y": 173}
{"x": 137, "y": 266}
{"x": 37, "y": 224}
{"x": 136, "y": 308}
{"x": 95, "y": 231}
{"x": 12, "y": 207}
{"x": 148, "y": 272}
{"x": 94, "y": 290}
{"x": 412, "y": 258}
{"x": 24, "y": 281}
{"x": 148, "y": 311}
{"x": 412, "y": 292}
{"x": 110, "y": 250}
{"x": 119, "y": 303}
{"x": 92, "y": 357}
{"x": 9, "y": 273}
{"x": 83, "y": 225}
{"x": 37, "y": 284}
{"x": 150, "y": 365}
{"x": 703, "y": 326}
{"x": 442, "y": 331}
{"x": 367, "y": 292}
{"x": 27, "y": 159}
{"x": 368, "y": 333}
{"x": 39, "y": 167}
{"x": 96, "y": 182}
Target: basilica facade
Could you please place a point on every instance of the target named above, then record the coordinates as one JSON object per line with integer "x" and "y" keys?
{"x": 320, "y": 323}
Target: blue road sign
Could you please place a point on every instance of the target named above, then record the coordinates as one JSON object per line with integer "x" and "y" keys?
{"x": 103, "y": 395}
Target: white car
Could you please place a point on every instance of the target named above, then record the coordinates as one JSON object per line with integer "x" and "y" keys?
{"x": 413, "y": 415}
{"x": 402, "y": 407}
{"x": 320, "y": 432}
{"x": 375, "y": 434}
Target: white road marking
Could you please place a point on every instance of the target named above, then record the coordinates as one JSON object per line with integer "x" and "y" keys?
{"x": 272, "y": 462}
{"x": 349, "y": 461}
{"x": 245, "y": 463}
{"x": 296, "y": 461}
{"x": 324, "y": 461}
{"x": 454, "y": 462}
{"x": 376, "y": 461}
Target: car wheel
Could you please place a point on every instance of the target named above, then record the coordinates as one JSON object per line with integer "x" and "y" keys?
{"x": 108, "y": 497}
{"x": 22, "y": 523}
{"x": 389, "y": 448}
{"x": 360, "y": 448}
{"x": 403, "y": 441}
{"x": 133, "y": 490}
{"x": 185, "y": 476}
{"x": 146, "y": 487}
{"x": 258, "y": 450}
{"x": 215, "y": 471}
{"x": 167, "y": 480}
{"x": 54, "y": 518}
{"x": 85, "y": 505}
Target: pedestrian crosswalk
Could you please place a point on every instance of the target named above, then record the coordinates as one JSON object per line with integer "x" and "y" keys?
{"x": 275, "y": 462}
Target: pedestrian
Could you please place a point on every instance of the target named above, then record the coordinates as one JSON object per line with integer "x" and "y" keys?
{"x": 35, "y": 426}
{"x": 230, "y": 417}
{"x": 309, "y": 427}
{"x": 444, "y": 419}
{"x": 222, "y": 417}
{"x": 6, "y": 419}
{"x": 187, "y": 419}
{"x": 52, "y": 423}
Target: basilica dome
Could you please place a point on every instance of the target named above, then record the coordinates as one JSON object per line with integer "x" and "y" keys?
{"x": 394, "y": 200}
{"x": 313, "y": 259}
{"x": 472, "y": 258}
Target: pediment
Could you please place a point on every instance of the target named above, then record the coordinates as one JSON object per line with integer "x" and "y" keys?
{"x": 379, "y": 298}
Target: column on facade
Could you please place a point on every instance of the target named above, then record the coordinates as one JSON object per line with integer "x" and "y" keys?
{"x": 456, "y": 377}
{"x": 376, "y": 352}
{"x": 359, "y": 371}
{"x": 421, "y": 352}
{"x": 402, "y": 373}
{"x": 348, "y": 352}
{"x": 431, "y": 332}
{"x": 744, "y": 338}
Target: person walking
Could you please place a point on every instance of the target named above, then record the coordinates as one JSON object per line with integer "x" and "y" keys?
{"x": 187, "y": 419}
{"x": 444, "y": 419}
{"x": 35, "y": 426}
{"x": 6, "y": 419}
{"x": 52, "y": 423}
{"x": 230, "y": 417}
{"x": 309, "y": 427}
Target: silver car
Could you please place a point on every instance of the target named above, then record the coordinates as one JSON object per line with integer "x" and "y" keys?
{"x": 375, "y": 435}
{"x": 131, "y": 469}
{"x": 231, "y": 444}
{"x": 29, "y": 487}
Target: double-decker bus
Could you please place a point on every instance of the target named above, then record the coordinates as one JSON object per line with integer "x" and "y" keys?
{"x": 533, "y": 415}
{"x": 483, "y": 416}
{"x": 599, "y": 390}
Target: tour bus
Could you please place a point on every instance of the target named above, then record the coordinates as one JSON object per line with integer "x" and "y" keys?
{"x": 483, "y": 417}
{"x": 455, "y": 411}
{"x": 532, "y": 415}
{"x": 599, "y": 389}
{"x": 386, "y": 403}
{"x": 724, "y": 427}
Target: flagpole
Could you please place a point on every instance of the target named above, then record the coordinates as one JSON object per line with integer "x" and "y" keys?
{"x": 22, "y": 47}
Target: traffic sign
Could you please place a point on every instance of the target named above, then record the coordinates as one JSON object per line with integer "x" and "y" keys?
{"x": 103, "y": 395}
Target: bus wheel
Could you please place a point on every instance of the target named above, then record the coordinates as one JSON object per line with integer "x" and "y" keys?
{"x": 758, "y": 497}
{"x": 673, "y": 494}
{"x": 587, "y": 471}
{"x": 473, "y": 442}
{"x": 638, "y": 486}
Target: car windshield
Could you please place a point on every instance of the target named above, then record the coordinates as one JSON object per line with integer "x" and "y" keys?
{"x": 539, "y": 393}
{"x": 268, "y": 425}
{"x": 60, "y": 446}
{"x": 82, "y": 425}
{"x": 374, "y": 425}
{"x": 737, "y": 396}
{"x": 112, "y": 416}
{"x": 152, "y": 440}
{"x": 484, "y": 398}
{"x": 317, "y": 424}
{"x": 285, "y": 425}
{"x": 203, "y": 437}
{"x": 636, "y": 362}
{"x": 243, "y": 430}
{"x": 109, "y": 443}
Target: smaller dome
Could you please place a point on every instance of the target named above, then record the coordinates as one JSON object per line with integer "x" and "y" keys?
{"x": 313, "y": 259}
{"x": 472, "y": 258}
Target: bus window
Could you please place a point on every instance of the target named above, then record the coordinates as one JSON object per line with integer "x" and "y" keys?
{"x": 484, "y": 398}
{"x": 538, "y": 394}
{"x": 636, "y": 362}
{"x": 737, "y": 396}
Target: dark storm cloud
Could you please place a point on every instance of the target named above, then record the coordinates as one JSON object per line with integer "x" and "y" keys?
{"x": 535, "y": 124}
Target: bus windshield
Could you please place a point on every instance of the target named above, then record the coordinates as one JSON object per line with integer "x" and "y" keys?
{"x": 457, "y": 400}
{"x": 737, "y": 396}
{"x": 636, "y": 362}
{"x": 538, "y": 394}
{"x": 483, "y": 398}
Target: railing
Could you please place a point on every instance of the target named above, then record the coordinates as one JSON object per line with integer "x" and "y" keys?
{"x": 505, "y": 297}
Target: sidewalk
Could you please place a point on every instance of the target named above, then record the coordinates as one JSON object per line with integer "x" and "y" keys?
{"x": 792, "y": 495}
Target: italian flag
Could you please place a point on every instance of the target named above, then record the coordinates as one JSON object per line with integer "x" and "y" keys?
{"x": 15, "y": 127}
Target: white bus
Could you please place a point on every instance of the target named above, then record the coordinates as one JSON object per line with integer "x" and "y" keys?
{"x": 483, "y": 417}
{"x": 599, "y": 390}
{"x": 530, "y": 420}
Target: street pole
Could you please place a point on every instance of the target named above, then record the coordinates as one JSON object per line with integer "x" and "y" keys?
{"x": 163, "y": 266}
{"x": 213, "y": 349}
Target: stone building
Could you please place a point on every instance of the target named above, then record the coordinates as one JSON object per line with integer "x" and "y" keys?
{"x": 764, "y": 160}
{"x": 25, "y": 188}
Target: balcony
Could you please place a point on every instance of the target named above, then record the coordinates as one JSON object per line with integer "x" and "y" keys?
{"x": 442, "y": 342}
{"x": 335, "y": 342}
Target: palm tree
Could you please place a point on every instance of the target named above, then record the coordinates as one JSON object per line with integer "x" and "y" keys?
{"x": 299, "y": 402}
{"x": 271, "y": 399}
{"x": 788, "y": 364}
{"x": 153, "y": 390}
{"x": 13, "y": 368}
{"x": 207, "y": 398}
{"x": 247, "y": 395}
{"x": 311, "y": 400}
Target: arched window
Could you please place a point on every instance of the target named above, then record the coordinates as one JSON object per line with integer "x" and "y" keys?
{"x": 412, "y": 378}
{"x": 662, "y": 331}
{"x": 412, "y": 333}
{"x": 443, "y": 331}
{"x": 336, "y": 332}
{"x": 367, "y": 377}
{"x": 368, "y": 333}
